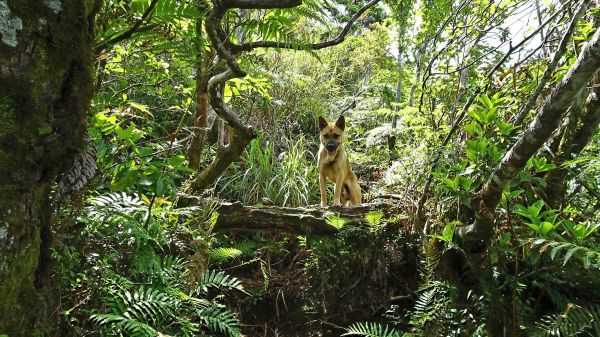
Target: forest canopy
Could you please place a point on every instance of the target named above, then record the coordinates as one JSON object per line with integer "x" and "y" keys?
{"x": 159, "y": 177}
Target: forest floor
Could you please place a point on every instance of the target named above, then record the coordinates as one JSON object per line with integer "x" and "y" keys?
{"x": 304, "y": 292}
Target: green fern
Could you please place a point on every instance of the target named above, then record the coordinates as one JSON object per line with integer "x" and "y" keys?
{"x": 429, "y": 315}
{"x": 174, "y": 10}
{"x": 136, "y": 312}
{"x": 222, "y": 254}
{"x": 219, "y": 280}
{"x": 247, "y": 247}
{"x": 220, "y": 320}
{"x": 574, "y": 321}
{"x": 145, "y": 311}
{"x": 371, "y": 329}
{"x": 121, "y": 324}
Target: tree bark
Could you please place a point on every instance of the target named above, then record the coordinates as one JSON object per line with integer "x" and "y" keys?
{"x": 572, "y": 145}
{"x": 531, "y": 140}
{"x": 200, "y": 127}
{"x": 299, "y": 221}
{"x": 45, "y": 91}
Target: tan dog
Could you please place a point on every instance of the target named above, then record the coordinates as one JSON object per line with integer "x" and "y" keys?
{"x": 334, "y": 164}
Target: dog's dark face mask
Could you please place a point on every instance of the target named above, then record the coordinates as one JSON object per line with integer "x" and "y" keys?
{"x": 332, "y": 134}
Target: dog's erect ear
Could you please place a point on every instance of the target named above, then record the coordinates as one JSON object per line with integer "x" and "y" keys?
{"x": 322, "y": 123}
{"x": 341, "y": 123}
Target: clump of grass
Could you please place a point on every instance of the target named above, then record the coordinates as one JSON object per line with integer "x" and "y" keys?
{"x": 287, "y": 179}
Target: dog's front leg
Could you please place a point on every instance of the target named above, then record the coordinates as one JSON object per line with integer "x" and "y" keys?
{"x": 323, "y": 188}
{"x": 337, "y": 194}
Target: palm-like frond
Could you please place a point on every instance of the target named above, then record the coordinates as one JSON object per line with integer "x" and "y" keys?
{"x": 222, "y": 254}
{"x": 220, "y": 320}
{"x": 219, "y": 280}
{"x": 371, "y": 329}
{"x": 574, "y": 321}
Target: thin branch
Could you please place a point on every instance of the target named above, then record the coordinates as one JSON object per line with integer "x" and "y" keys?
{"x": 562, "y": 46}
{"x": 260, "y": 4}
{"x": 134, "y": 29}
{"x": 217, "y": 102}
{"x": 310, "y": 46}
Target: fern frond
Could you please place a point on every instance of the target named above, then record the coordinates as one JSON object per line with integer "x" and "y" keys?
{"x": 222, "y": 254}
{"x": 574, "y": 321}
{"x": 219, "y": 280}
{"x": 370, "y": 329}
{"x": 173, "y": 10}
{"x": 433, "y": 301}
{"x": 129, "y": 326}
{"x": 247, "y": 247}
{"x": 120, "y": 201}
{"x": 220, "y": 320}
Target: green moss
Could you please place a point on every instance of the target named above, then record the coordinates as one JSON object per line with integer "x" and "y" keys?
{"x": 17, "y": 286}
{"x": 89, "y": 6}
{"x": 7, "y": 117}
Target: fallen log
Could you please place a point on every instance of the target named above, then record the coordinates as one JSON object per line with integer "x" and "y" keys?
{"x": 300, "y": 221}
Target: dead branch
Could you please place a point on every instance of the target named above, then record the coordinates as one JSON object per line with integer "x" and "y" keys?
{"x": 300, "y": 221}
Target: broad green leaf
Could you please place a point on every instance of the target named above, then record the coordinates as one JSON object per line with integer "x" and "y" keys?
{"x": 176, "y": 161}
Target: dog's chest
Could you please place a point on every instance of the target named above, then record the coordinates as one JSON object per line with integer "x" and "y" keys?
{"x": 329, "y": 166}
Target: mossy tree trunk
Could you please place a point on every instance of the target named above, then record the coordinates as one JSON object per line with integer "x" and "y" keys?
{"x": 45, "y": 91}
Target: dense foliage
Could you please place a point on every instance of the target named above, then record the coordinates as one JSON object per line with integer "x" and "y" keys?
{"x": 435, "y": 94}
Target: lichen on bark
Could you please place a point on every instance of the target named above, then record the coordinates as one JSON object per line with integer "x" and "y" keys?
{"x": 9, "y": 24}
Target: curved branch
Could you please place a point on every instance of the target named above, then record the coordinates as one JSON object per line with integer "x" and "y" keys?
{"x": 212, "y": 26}
{"x": 217, "y": 102}
{"x": 310, "y": 46}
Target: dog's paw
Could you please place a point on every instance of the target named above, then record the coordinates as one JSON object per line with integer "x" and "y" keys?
{"x": 337, "y": 204}
{"x": 323, "y": 204}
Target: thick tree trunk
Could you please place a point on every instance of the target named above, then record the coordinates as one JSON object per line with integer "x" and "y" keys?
{"x": 485, "y": 201}
{"x": 45, "y": 91}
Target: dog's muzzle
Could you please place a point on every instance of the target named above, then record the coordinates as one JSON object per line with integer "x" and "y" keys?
{"x": 331, "y": 146}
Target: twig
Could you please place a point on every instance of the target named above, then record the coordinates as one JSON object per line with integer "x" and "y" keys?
{"x": 311, "y": 46}
{"x": 562, "y": 46}
{"x": 127, "y": 34}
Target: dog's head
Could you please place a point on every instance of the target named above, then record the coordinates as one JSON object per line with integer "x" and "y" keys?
{"x": 332, "y": 134}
